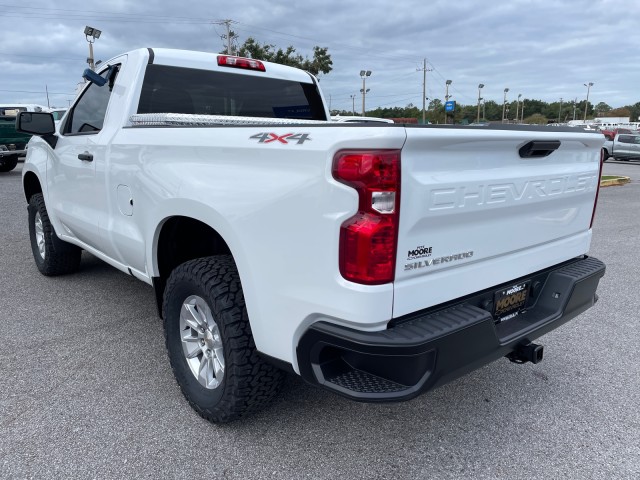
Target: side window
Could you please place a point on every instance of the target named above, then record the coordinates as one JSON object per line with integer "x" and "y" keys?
{"x": 88, "y": 114}
{"x": 625, "y": 139}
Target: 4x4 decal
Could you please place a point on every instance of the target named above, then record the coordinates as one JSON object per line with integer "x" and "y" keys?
{"x": 286, "y": 138}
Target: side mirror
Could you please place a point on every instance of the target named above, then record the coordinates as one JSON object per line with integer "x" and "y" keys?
{"x": 35, "y": 123}
{"x": 91, "y": 76}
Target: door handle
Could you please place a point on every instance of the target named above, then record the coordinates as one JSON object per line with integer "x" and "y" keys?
{"x": 86, "y": 156}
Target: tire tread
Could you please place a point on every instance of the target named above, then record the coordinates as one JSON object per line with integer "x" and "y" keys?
{"x": 250, "y": 382}
{"x": 61, "y": 257}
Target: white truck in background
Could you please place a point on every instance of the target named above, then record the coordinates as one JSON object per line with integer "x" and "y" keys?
{"x": 377, "y": 261}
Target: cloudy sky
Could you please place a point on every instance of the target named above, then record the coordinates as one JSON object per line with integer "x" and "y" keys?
{"x": 540, "y": 49}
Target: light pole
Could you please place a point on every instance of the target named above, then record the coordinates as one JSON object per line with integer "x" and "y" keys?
{"x": 480, "y": 87}
{"x": 504, "y": 103}
{"x": 517, "y": 107}
{"x": 446, "y": 99}
{"x": 560, "y": 111}
{"x": 575, "y": 103}
{"x": 589, "y": 85}
{"x": 364, "y": 74}
{"x": 353, "y": 104}
{"x": 91, "y": 33}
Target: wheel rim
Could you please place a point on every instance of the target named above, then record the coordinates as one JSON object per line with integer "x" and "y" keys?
{"x": 40, "y": 235}
{"x": 201, "y": 342}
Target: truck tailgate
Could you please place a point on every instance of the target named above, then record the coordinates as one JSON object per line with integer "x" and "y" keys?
{"x": 475, "y": 213}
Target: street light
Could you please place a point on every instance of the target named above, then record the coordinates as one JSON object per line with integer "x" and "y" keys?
{"x": 91, "y": 33}
{"x": 480, "y": 87}
{"x": 353, "y": 104}
{"x": 504, "y": 103}
{"x": 517, "y": 106}
{"x": 446, "y": 99}
{"x": 364, "y": 74}
{"x": 589, "y": 85}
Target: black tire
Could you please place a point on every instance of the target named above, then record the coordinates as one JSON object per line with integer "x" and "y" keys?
{"x": 605, "y": 155}
{"x": 247, "y": 383}
{"x": 59, "y": 257}
{"x": 8, "y": 163}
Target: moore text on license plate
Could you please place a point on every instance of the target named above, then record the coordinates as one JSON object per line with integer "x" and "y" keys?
{"x": 508, "y": 302}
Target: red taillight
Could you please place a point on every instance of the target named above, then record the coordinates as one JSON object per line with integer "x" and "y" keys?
{"x": 240, "y": 62}
{"x": 368, "y": 240}
{"x": 595, "y": 202}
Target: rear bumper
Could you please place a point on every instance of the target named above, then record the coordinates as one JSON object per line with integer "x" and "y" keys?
{"x": 424, "y": 350}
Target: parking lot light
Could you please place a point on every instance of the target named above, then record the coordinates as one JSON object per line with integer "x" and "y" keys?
{"x": 589, "y": 85}
{"x": 91, "y": 34}
{"x": 480, "y": 87}
{"x": 364, "y": 74}
{"x": 504, "y": 103}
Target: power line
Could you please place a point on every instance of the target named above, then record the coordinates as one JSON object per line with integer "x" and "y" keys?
{"x": 110, "y": 16}
{"x": 165, "y": 19}
{"x": 40, "y": 9}
{"x": 28, "y": 91}
{"x": 45, "y": 16}
{"x": 38, "y": 56}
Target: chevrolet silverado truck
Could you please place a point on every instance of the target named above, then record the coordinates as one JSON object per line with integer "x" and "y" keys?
{"x": 376, "y": 261}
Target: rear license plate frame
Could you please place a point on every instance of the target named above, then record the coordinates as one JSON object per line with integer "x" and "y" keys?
{"x": 510, "y": 301}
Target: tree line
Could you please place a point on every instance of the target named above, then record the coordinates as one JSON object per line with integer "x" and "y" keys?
{"x": 535, "y": 111}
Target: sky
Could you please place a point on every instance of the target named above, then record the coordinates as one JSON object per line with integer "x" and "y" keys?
{"x": 540, "y": 49}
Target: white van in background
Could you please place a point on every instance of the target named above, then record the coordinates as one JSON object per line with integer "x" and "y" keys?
{"x": 12, "y": 109}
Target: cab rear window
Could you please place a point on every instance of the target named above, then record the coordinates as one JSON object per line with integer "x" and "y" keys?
{"x": 168, "y": 89}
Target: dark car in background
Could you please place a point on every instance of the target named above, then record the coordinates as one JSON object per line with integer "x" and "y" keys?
{"x": 12, "y": 144}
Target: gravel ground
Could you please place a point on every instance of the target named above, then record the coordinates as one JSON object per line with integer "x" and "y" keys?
{"x": 86, "y": 390}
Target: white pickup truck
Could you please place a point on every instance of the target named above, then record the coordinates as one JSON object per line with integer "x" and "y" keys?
{"x": 377, "y": 261}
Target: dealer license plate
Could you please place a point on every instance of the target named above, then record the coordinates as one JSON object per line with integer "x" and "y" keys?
{"x": 509, "y": 302}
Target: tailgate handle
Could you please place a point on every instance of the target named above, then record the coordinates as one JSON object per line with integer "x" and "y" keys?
{"x": 539, "y": 148}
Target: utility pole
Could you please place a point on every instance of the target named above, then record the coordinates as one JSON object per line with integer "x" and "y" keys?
{"x": 424, "y": 89}
{"x": 560, "y": 111}
{"x": 517, "y": 107}
{"x": 353, "y": 104}
{"x": 575, "y": 103}
{"x": 46, "y": 89}
{"x": 229, "y": 37}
